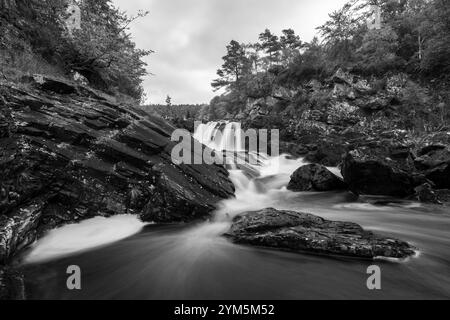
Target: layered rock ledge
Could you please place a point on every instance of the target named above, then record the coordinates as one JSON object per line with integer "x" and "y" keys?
{"x": 301, "y": 232}
{"x": 68, "y": 153}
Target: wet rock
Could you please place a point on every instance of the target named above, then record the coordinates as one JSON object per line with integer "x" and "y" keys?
{"x": 443, "y": 196}
{"x": 19, "y": 231}
{"x": 426, "y": 194}
{"x": 435, "y": 161}
{"x": 78, "y": 154}
{"x": 302, "y": 232}
{"x": 432, "y": 156}
{"x": 379, "y": 171}
{"x": 315, "y": 177}
{"x": 327, "y": 152}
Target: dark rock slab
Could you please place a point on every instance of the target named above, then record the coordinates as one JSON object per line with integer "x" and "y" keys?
{"x": 302, "y": 232}
{"x": 78, "y": 153}
{"x": 314, "y": 177}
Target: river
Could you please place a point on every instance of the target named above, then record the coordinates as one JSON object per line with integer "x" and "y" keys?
{"x": 122, "y": 258}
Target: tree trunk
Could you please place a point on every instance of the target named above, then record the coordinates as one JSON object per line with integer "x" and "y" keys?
{"x": 420, "y": 47}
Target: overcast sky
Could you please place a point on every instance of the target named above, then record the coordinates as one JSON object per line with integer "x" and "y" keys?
{"x": 189, "y": 37}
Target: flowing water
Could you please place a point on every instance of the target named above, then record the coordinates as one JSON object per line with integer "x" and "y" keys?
{"x": 125, "y": 259}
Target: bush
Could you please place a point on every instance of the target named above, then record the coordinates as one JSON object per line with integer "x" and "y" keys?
{"x": 377, "y": 54}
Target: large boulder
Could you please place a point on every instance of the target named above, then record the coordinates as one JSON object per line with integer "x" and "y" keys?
{"x": 435, "y": 161}
{"x": 387, "y": 170}
{"x": 314, "y": 177}
{"x": 68, "y": 153}
{"x": 302, "y": 232}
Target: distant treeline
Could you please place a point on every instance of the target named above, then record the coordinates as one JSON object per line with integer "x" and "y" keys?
{"x": 182, "y": 111}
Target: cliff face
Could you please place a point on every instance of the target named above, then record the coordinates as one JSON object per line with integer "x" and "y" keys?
{"x": 69, "y": 153}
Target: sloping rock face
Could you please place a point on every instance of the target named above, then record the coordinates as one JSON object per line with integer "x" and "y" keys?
{"x": 301, "y": 232}
{"x": 69, "y": 153}
{"x": 315, "y": 177}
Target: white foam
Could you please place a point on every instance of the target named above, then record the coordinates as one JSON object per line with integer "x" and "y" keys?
{"x": 416, "y": 255}
{"x": 85, "y": 235}
{"x": 362, "y": 207}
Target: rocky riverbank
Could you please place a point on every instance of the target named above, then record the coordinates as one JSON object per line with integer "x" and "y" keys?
{"x": 68, "y": 153}
{"x": 362, "y": 125}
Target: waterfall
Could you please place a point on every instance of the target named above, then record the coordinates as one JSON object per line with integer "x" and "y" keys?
{"x": 221, "y": 136}
{"x": 259, "y": 184}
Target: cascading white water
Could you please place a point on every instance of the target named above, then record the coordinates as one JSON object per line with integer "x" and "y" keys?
{"x": 260, "y": 183}
{"x": 258, "y": 186}
{"x": 221, "y": 136}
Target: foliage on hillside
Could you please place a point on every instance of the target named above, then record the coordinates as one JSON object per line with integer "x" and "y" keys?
{"x": 175, "y": 112}
{"x": 34, "y": 39}
{"x": 413, "y": 40}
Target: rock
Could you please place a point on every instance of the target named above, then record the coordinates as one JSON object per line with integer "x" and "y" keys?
{"x": 19, "y": 231}
{"x": 282, "y": 93}
{"x": 342, "y": 77}
{"x": 302, "y": 232}
{"x": 434, "y": 160}
{"x": 12, "y": 286}
{"x": 426, "y": 194}
{"x": 440, "y": 176}
{"x": 432, "y": 156}
{"x": 344, "y": 91}
{"x": 377, "y": 171}
{"x": 50, "y": 84}
{"x": 443, "y": 196}
{"x": 343, "y": 114}
{"x": 374, "y": 104}
{"x": 76, "y": 153}
{"x": 315, "y": 177}
{"x": 328, "y": 152}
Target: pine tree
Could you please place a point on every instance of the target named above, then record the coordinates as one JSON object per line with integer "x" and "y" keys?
{"x": 236, "y": 66}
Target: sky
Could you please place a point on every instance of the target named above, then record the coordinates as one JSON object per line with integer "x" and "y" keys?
{"x": 189, "y": 37}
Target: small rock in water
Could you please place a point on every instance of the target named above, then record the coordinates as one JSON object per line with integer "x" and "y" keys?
{"x": 314, "y": 177}
{"x": 302, "y": 232}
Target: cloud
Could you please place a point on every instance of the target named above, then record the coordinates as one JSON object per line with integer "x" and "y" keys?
{"x": 189, "y": 37}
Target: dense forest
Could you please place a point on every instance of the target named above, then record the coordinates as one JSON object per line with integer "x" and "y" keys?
{"x": 412, "y": 40}
{"x": 36, "y": 40}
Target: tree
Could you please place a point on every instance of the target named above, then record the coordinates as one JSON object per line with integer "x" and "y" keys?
{"x": 377, "y": 53}
{"x": 253, "y": 52}
{"x": 103, "y": 50}
{"x": 168, "y": 101}
{"x": 236, "y": 66}
{"x": 291, "y": 45}
{"x": 436, "y": 39}
{"x": 339, "y": 31}
{"x": 271, "y": 46}
{"x": 290, "y": 40}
